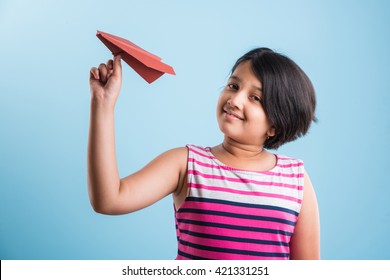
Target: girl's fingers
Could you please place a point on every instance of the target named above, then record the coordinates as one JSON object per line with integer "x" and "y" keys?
{"x": 110, "y": 67}
{"x": 103, "y": 71}
{"x": 110, "y": 64}
{"x": 94, "y": 73}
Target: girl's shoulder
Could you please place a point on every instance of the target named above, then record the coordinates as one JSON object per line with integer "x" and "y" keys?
{"x": 292, "y": 163}
{"x": 193, "y": 147}
{"x": 283, "y": 159}
{"x": 181, "y": 154}
{"x": 178, "y": 153}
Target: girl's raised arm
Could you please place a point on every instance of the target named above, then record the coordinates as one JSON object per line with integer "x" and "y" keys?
{"x": 108, "y": 193}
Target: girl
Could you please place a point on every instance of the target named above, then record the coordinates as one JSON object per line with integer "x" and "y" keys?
{"x": 232, "y": 201}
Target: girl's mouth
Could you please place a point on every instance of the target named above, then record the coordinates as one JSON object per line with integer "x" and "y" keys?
{"x": 231, "y": 114}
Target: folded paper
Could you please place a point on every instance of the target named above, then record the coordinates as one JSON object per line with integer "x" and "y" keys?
{"x": 146, "y": 64}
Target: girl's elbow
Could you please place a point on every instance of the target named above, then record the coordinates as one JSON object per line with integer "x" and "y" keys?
{"x": 108, "y": 203}
{"x": 106, "y": 208}
{"x": 100, "y": 206}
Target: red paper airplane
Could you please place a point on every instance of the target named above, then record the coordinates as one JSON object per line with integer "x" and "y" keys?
{"x": 147, "y": 65}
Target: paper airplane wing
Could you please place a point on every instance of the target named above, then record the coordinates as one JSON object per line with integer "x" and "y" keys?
{"x": 146, "y": 64}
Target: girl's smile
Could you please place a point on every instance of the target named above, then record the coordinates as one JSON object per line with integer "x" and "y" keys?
{"x": 231, "y": 115}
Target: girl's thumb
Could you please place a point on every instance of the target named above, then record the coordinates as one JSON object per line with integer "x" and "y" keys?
{"x": 117, "y": 68}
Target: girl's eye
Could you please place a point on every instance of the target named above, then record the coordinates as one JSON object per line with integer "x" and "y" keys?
{"x": 232, "y": 86}
{"x": 256, "y": 98}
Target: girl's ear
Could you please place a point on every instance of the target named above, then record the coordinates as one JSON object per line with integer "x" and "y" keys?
{"x": 271, "y": 132}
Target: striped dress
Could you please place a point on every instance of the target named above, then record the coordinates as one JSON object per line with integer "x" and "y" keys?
{"x": 237, "y": 214}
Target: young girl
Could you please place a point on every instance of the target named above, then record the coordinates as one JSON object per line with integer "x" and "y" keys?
{"x": 232, "y": 201}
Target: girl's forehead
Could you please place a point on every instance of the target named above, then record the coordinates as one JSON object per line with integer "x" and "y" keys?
{"x": 244, "y": 73}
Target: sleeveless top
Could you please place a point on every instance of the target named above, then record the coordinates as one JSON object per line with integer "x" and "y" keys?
{"x": 238, "y": 214}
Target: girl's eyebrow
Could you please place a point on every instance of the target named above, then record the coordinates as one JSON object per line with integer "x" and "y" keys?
{"x": 236, "y": 78}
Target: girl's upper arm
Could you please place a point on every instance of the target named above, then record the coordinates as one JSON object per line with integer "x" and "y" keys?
{"x": 305, "y": 242}
{"x": 153, "y": 182}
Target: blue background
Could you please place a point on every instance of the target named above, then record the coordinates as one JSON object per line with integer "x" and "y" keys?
{"x": 48, "y": 47}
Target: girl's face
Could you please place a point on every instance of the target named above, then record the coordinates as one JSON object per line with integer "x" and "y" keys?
{"x": 240, "y": 112}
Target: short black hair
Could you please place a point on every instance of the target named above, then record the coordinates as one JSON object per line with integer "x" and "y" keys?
{"x": 288, "y": 95}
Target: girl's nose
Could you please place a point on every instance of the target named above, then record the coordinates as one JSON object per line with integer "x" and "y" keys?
{"x": 237, "y": 100}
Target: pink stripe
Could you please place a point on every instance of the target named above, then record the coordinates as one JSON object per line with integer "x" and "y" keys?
{"x": 290, "y": 165}
{"x": 241, "y": 210}
{"x": 242, "y": 180}
{"x": 240, "y": 222}
{"x": 221, "y": 189}
{"x": 224, "y": 167}
{"x": 179, "y": 258}
{"x": 223, "y": 256}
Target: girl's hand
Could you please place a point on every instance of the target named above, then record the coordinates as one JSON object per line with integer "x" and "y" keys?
{"x": 105, "y": 82}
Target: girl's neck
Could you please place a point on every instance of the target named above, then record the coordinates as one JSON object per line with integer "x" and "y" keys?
{"x": 230, "y": 147}
{"x": 244, "y": 157}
